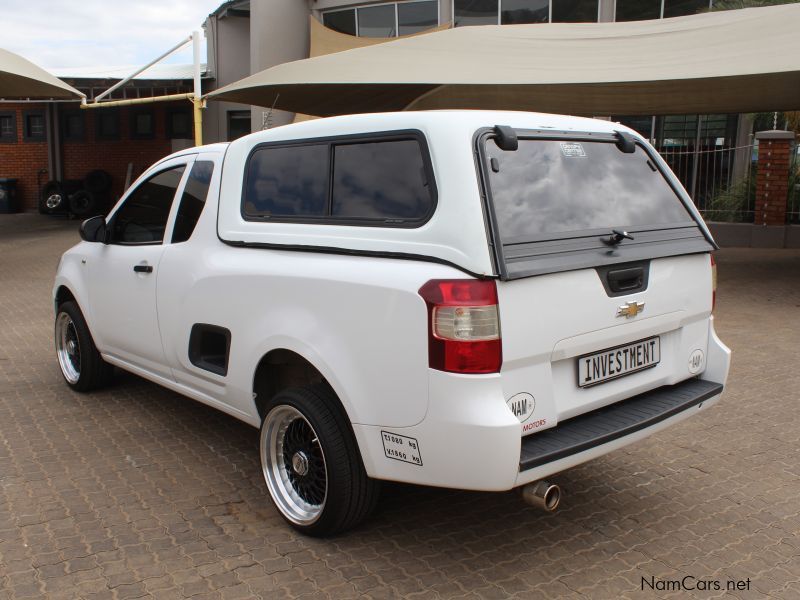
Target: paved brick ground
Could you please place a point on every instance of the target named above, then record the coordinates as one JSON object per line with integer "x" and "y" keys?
{"x": 137, "y": 491}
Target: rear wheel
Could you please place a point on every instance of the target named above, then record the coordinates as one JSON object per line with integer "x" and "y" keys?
{"x": 81, "y": 364}
{"x": 311, "y": 463}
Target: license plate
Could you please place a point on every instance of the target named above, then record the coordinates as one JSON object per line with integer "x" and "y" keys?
{"x": 619, "y": 361}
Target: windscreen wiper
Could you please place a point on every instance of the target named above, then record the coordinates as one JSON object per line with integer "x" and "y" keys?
{"x": 616, "y": 237}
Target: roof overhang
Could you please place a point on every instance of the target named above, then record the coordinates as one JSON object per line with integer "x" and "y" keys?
{"x": 723, "y": 62}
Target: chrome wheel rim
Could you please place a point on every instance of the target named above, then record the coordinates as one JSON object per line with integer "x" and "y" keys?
{"x": 53, "y": 201}
{"x": 68, "y": 348}
{"x": 294, "y": 465}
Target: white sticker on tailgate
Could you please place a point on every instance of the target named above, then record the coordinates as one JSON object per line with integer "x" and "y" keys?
{"x": 619, "y": 361}
{"x": 400, "y": 447}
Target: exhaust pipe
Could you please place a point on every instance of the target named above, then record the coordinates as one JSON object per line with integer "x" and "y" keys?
{"x": 542, "y": 494}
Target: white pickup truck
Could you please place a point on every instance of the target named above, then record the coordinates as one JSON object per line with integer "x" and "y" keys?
{"x": 466, "y": 299}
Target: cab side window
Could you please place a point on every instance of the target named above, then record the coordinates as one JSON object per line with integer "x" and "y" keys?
{"x": 193, "y": 200}
{"x": 142, "y": 219}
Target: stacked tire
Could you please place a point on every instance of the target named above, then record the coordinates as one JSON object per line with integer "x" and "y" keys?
{"x": 82, "y": 198}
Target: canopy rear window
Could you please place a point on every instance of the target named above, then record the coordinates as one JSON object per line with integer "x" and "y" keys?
{"x": 555, "y": 201}
{"x": 550, "y": 187}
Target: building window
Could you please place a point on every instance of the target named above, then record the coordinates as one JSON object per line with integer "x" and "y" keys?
{"x": 385, "y": 20}
{"x": 377, "y": 21}
{"x": 413, "y": 17}
{"x": 179, "y": 124}
{"x": 8, "y": 127}
{"x": 343, "y": 21}
{"x": 475, "y": 12}
{"x": 525, "y": 11}
{"x": 34, "y": 128}
{"x": 509, "y": 12}
{"x": 680, "y": 8}
{"x": 73, "y": 125}
{"x": 238, "y": 124}
{"x": 142, "y": 124}
{"x": 637, "y": 10}
{"x": 107, "y": 124}
{"x": 575, "y": 11}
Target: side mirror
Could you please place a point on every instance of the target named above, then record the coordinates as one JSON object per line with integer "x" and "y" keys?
{"x": 94, "y": 229}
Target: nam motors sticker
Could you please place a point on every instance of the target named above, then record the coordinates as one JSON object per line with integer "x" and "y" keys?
{"x": 572, "y": 149}
{"x": 400, "y": 447}
{"x": 522, "y": 406}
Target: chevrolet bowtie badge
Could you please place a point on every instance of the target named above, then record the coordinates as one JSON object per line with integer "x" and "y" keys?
{"x": 630, "y": 309}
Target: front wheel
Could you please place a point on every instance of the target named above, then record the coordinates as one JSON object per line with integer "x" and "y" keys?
{"x": 311, "y": 463}
{"x": 81, "y": 364}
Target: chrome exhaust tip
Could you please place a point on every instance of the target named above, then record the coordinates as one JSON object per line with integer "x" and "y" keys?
{"x": 542, "y": 494}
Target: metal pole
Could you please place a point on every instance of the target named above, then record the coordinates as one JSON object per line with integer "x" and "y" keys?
{"x": 149, "y": 100}
{"x": 197, "y": 100}
{"x": 144, "y": 68}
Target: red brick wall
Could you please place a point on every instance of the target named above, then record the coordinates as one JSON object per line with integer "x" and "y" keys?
{"x": 22, "y": 160}
{"x": 772, "y": 180}
{"x": 113, "y": 156}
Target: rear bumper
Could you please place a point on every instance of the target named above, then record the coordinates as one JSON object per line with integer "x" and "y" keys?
{"x": 593, "y": 434}
{"x": 471, "y": 440}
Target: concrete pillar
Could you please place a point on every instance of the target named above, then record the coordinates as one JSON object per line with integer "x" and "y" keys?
{"x": 772, "y": 180}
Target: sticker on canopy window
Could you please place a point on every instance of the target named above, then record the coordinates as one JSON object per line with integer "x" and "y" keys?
{"x": 572, "y": 149}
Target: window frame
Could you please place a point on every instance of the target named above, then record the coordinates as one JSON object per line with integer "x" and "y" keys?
{"x": 99, "y": 135}
{"x": 331, "y": 142}
{"x": 355, "y": 7}
{"x": 81, "y": 114}
{"x": 135, "y": 112}
{"x": 185, "y": 161}
{"x": 582, "y": 249}
{"x": 170, "y": 114}
{"x": 14, "y": 138}
{"x": 26, "y": 136}
{"x": 549, "y": 12}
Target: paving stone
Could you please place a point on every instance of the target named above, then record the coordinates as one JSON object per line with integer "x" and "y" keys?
{"x": 134, "y": 491}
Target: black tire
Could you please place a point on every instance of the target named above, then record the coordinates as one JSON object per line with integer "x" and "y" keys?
{"x": 82, "y": 203}
{"x": 90, "y": 370}
{"x": 97, "y": 181}
{"x": 350, "y": 495}
{"x": 52, "y": 198}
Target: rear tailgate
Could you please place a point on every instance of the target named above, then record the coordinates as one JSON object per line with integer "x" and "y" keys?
{"x": 566, "y": 344}
{"x": 605, "y": 280}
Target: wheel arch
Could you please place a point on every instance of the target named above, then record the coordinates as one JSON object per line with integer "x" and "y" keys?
{"x": 283, "y": 368}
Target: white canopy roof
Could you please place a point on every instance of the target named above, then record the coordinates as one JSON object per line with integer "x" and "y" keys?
{"x": 723, "y": 62}
{"x": 20, "y": 78}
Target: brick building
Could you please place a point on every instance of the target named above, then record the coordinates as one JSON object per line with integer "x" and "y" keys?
{"x": 43, "y": 141}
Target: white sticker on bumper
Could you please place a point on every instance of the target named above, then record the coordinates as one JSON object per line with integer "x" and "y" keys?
{"x": 400, "y": 447}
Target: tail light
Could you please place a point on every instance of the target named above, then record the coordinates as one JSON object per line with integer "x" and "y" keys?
{"x": 713, "y": 282}
{"x": 463, "y": 325}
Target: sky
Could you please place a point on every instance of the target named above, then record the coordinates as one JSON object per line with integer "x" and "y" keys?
{"x": 86, "y": 33}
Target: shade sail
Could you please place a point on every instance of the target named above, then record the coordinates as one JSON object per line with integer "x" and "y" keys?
{"x": 724, "y": 62}
{"x": 20, "y": 78}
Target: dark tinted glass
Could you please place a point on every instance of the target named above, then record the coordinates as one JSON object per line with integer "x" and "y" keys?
{"x": 287, "y": 181}
{"x": 679, "y": 8}
{"x": 377, "y": 21}
{"x": 525, "y": 11}
{"x": 638, "y": 10}
{"x": 8, "y": 129}
{"x": 107, "y": 123}
{"x": 238, "y": 124}
{"x": 341, "y": 20}
{"x": 417, "y": 16}
{"x": 380, "y": 180}
{"x": 475, "y": 12}
{"x": 143, "y": 217}
{"x": 575, "y": 11}
{"x": 73, "y": 126}
{"x": 550, "y": 187}
{"x": 193, "y": 200}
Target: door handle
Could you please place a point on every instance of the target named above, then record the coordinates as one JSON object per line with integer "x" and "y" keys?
{"x": 143, "y": 269}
